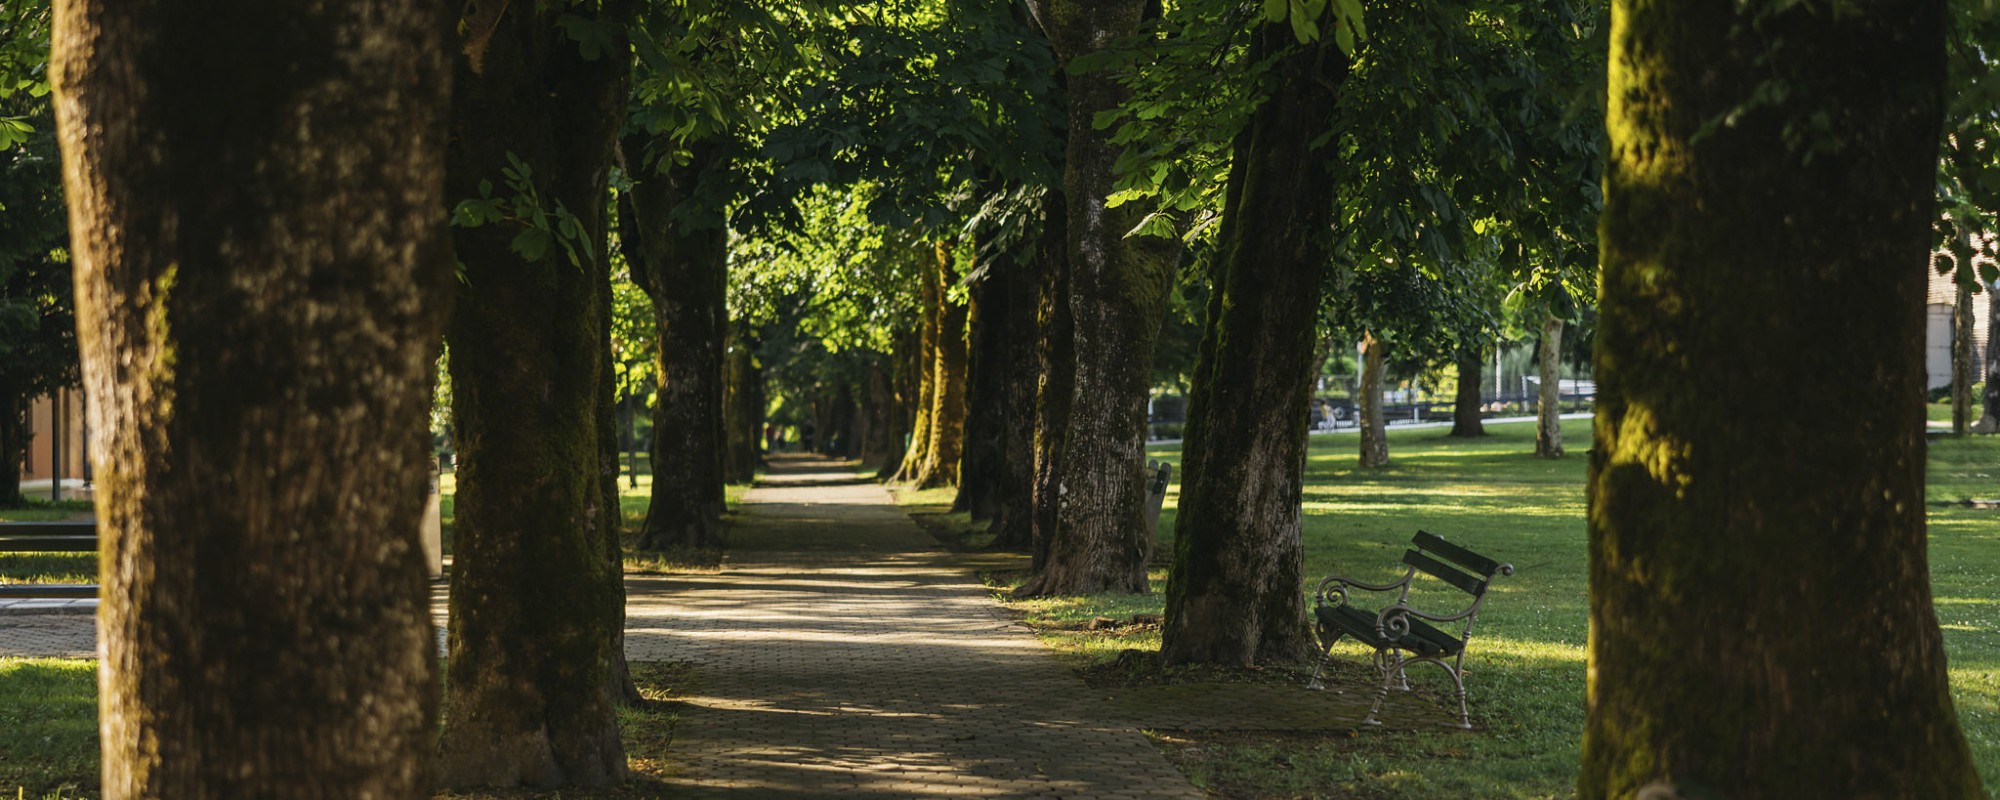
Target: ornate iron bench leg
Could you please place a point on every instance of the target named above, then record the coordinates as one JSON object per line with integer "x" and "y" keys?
{"x": 1392, "y": 662}
{"x": 1325, "y": 653}
{"x": 1464, "y": 716}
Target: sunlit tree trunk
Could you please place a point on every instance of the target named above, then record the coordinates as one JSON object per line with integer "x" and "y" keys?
{"x": 1119, "y": 288}
{"x": 683, "y": 265}
{"x": 257, "y": 210}
{"x": 1233, "y": 594}
{"x": 1761, "y": 615}
{"x": 1368, "y": 402}
{"x": 946, "y": 451}
{"x": 537, "y": 594}
{"x": 1465, "y": 419}
{"x": 1548, "y": 406}
{"x": 930, "y": 299}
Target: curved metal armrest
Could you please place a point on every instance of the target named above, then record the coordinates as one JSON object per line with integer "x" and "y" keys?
{"x": 1338, "y": 585}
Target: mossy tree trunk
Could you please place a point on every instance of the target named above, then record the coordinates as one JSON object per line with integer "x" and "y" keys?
{"x": 1465, "y": 419}
{"x": 262, "y": 269}
{"x": 537, "y": 595}
{"x": 742, "y": 407}
{"x": 1055, "y": 374}
{"x": 946, "y": 451}
{"x": 922, "y": 372}
{"x": 1768, "y": 574}
{"x": 1119, "y": 287}
{"x": 1233, "y": 594}
{"x": 1548, "y": 403}
{"x": 1368, "y": 402}
{"x": 683, "y": 266}
{"x": 984, "y": 398}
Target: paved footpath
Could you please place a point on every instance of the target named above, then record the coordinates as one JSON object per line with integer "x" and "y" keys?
{"x": 840, "y": 652}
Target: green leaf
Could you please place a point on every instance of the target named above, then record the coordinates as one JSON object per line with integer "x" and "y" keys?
{"x": 531, "y": 243}
{"x": 1274, "y": 10}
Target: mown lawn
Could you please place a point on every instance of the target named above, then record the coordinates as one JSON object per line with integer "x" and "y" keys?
{"x": 1526, "y": 666}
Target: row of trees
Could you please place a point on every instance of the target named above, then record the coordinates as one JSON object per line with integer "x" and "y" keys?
{"x": 264, "y": 275}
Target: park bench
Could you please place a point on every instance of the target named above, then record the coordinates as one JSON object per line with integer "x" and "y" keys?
{"x": 1401, "y": 635}
{"x": 48, "y": 537}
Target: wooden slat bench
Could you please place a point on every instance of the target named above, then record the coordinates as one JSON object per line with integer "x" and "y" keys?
{"x": 1402, "y": 635}
{"x": 48, "y": 537}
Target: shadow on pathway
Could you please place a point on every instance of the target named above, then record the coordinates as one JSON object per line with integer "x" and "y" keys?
{"x": 840, "y": 652}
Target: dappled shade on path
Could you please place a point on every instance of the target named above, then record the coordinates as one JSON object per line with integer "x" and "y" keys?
{"x": 839, "y": 652}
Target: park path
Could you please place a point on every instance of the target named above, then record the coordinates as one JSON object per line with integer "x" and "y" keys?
{"x": 841, "y": 652}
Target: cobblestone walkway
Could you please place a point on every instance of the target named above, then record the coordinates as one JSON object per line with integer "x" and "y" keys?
{"x": 841, "y": 653}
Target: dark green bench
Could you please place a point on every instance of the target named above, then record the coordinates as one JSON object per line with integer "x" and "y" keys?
{"x": 48, "y": 537}
{"x": 1402, "y": 635}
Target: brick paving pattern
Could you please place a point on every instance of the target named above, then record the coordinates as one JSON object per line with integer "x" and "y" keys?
{"x": 840, "y": 652}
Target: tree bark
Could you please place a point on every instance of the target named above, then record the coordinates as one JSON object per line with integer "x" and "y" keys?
{"x": 536, "y": 600}
{"x": 257, "y": 207}
{"x": 1548, "y": 404}
{"x": 742, "y": 408}
{"x": 1119, "y": 291}
{"x": 924, "y": 371}
{"x": 1758, "y": 569}
{"x": 1989, "y": 418}
{"x": 1014, "y": 472}
{"x": 13, "y": 443}
{"x": 1963, "y": 371}
{"x": 1465, "y": 418}
{"x": 1233, "y": 594}
{"x": 1056, "y": 373}
{"x": 985, "y": 397}
{"x": 1368, "y": 403}
{"x": 684, "y": 265}
{"x": 946, "y": 451}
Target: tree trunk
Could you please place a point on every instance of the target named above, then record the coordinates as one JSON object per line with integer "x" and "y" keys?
{"x": 1014, "y": 472}
{"x": 1233, "y": 595}
{"x": 1962, "y": 369}
{"x": 623, "y": 690}
{"x": 985, "y": 396}
{"x": 1548, "y": 404}
{"x": 1056, "y": 373}
{"x": 742, "y": 409}
{"x": 536, "y": 603}
{"x": 1368, "y": 403}
{"x": 13, "y": 443}
{"x": 1989, "y": 418}
{"x": 1119, "y": 291}
{"x": 262, "y": 269}
{"x": 924, "y": 371}
{"x": 1757, "y": 569}
{"x": 1465, "y": 418}
{"x": 683, "y": 265}
{"x": 946, "y": 450}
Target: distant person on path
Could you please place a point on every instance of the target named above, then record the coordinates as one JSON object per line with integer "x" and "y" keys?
{"x": 806, "y": 438}
{"x": 772, "y": 439}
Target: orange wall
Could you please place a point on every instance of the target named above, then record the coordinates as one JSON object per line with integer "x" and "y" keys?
{"x": 41, "y": 425}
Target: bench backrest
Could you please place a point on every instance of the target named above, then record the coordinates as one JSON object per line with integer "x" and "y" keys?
{"x": 1467, "y": 570}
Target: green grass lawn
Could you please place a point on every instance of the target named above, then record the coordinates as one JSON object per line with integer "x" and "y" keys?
{"x": 1526, "y": 662}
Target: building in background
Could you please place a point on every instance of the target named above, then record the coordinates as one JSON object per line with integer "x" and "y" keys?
{"x": 1937, "y": 330}
{"x": 58, "y": 446}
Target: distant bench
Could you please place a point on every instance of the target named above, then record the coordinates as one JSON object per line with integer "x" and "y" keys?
{"x": 1402, "y": 635}
{"x": 48, "y": 537}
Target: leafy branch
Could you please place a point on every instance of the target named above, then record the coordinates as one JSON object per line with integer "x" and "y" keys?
{"x": 540, "y": 227}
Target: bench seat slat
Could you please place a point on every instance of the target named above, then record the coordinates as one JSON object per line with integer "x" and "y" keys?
{"x": 1424, "y": 638}
{"x": 1437, "y": 569}
{"x": 48, "y": 544}
{"x": 32, "y": 591}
